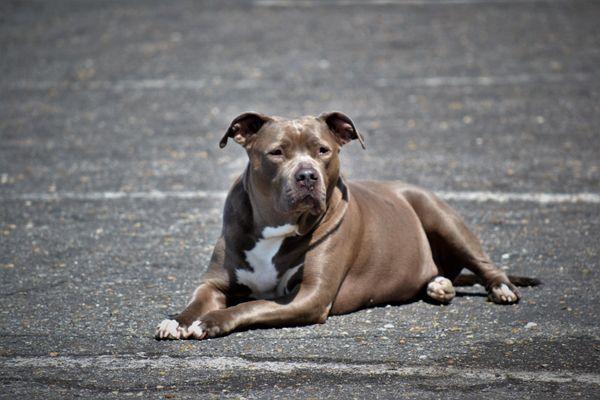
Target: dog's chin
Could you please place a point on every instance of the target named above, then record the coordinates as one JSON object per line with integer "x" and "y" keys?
{"x": 306, "y": 203}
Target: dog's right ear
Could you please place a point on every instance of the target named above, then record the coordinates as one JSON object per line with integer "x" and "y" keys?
{"x": 244, "y": 127}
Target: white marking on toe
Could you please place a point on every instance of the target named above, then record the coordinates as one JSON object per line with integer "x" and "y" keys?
{"x": 168, "y": 328}
{"x": 195, "y": 329}
{"x": 506, "y": 290}
{"x": 504, "y": 293}
{"x": 440, "y": 289}
{"x": 172, "y": 328}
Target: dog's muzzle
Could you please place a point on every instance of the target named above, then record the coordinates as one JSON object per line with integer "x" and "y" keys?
{"x": 306, "y": 191}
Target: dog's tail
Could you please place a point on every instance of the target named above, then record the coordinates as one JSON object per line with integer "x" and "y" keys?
{"x": 470, "y": 280}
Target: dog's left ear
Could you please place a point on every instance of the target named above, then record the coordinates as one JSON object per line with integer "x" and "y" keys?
{"x": 342, "y": 127}
{"x": 243, "y": 127}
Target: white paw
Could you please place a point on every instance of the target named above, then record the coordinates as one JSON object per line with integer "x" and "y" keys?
{"x": 441, "y": 289}
{"x": 502, "y": 294}
{"x": 170, "y": 329}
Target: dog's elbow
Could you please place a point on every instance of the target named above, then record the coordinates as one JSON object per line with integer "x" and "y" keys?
{"x": 324, "y": 314}
{"x": 322, "y": 319}
{"x": 316, "y": 314}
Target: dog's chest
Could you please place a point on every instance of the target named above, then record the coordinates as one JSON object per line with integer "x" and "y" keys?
{"x": 264, "y": 280}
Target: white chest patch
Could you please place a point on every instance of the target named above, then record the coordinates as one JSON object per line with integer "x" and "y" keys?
{"x": 263, "y": 280}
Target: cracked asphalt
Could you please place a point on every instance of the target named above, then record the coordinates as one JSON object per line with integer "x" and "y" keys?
{"x": 112, "y": 182}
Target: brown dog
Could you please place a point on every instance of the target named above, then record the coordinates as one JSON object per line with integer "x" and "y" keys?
{"x": 300, "y": 243}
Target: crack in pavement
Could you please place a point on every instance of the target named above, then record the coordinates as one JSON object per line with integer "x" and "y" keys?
{"x": 41, "y": 288}
{"x": 198, "y": 84}
{"x": 204, "y": 363}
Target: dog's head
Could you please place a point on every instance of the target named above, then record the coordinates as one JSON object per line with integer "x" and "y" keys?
{"x": 293, "y": 164}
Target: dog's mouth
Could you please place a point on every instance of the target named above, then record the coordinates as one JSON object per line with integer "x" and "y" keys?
{"x": 306, "y": 201}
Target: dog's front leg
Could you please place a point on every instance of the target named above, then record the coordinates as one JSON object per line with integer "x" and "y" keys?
{"x": 308, "y": 306}
{"x": 208, "y": 296}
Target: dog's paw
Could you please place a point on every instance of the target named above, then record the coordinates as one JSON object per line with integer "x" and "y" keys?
{"x": 440, "y": 289}
{"x": 169, "y": 329}
{"x": 504, "y": 293}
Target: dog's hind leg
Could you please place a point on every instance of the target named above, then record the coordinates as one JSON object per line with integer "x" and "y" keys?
{"x": 454, "y": 246}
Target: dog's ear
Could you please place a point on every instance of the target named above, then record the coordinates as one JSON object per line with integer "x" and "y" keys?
{"x": 243, "y": 127}
{"x": 342, "y": 127}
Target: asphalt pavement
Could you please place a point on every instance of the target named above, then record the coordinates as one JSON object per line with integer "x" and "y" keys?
{"x": 112, "y": 185}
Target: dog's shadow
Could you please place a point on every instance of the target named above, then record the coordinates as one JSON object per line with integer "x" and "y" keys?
{"x": 429, "y": 300}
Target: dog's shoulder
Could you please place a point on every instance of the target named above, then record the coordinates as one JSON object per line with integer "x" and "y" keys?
{"x": 238, "y": 209}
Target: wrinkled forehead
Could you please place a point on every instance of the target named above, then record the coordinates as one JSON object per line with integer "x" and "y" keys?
{"x": 293, "y": 132}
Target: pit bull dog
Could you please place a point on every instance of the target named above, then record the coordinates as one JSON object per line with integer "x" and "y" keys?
{"x": 300, "y": 242}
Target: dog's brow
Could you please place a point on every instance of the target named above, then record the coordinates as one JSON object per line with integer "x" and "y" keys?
{"x": 297, "y": 126}
{"x": 285, "y": 143}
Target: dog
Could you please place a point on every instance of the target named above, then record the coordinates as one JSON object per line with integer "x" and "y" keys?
{"x": 300, "y": 242}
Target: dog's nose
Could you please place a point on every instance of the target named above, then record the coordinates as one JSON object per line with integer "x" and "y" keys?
{"x": 306, "y": 176}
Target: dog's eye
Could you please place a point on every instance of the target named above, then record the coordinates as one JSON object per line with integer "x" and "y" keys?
{"x": 323, "y": 150}
{"x": 276, "y": 152}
